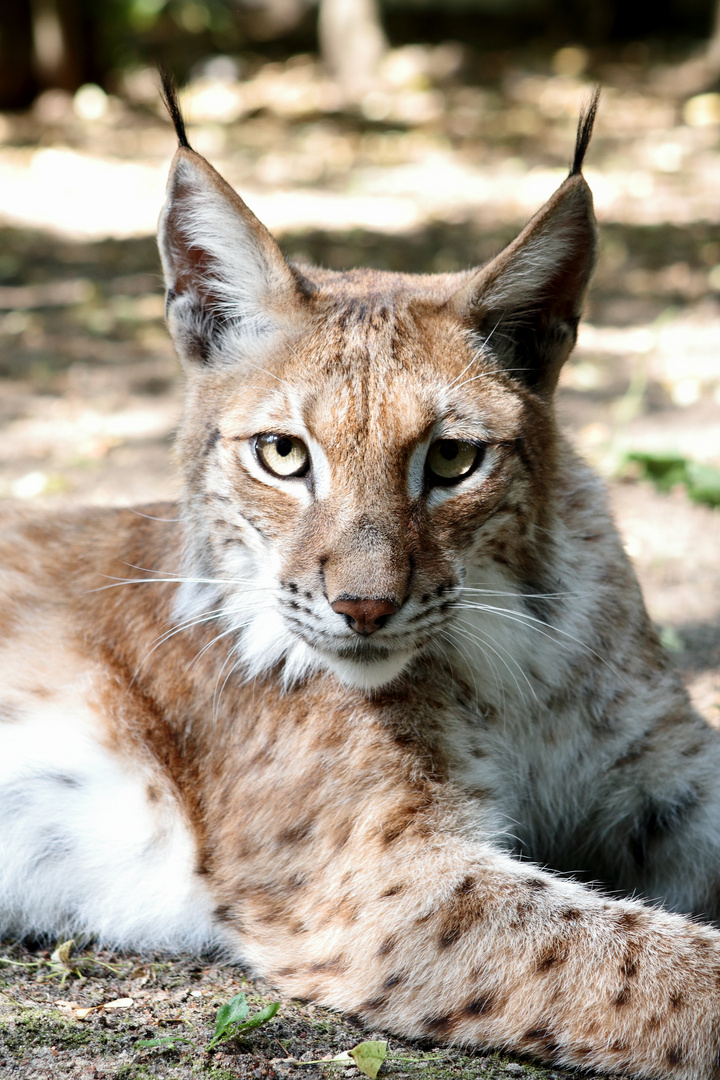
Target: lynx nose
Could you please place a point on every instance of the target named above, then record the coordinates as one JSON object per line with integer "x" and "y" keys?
{"x": 365, "y": 616}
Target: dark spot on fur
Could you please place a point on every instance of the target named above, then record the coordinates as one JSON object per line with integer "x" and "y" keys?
{"x": 392, "y": 891}
{"x": 424, "y": 598}
{"x": 449, "y": 936}
{"x": 523, "y": 909}
{"x": 628, "y": 920}
{"x": 676, "y": 1000}
{"x": 391, "y": 833}
{"x": 223, "y": 913}
{"x": 297, "y": 833}
{"x": 633, "y": 752}
{"x": 536, "y": 884}
{"x": 387, "y": 946}
{"x": 551, "y": 957}
{"x": 392, "y": 980}
{"x": 202, "y": 869}
{"x": 292, "y": 586}
{"x": 466, "y": 884}
{"x": 540, "y": 607}
{"x": 630, "y": 964}
{"x": 460, "y": 913}
{"x": 335, "y": 963}
{"x": 437, "y": 1025}
{"x": 582, "y": 1053}
{"x": 658, "y": 822}
{"x": 622, "y": 998}
{"x": 674, "y": 1056}
{"x": 348, "y": 910}
{"x": 374, "y": 1004}
{"x": 570, "y": 914}
{"x": 538, "y": 1034}
{"x": 480, "y": 1006}
{"x": 212, "y": 440}
{"x": 405, "y": 817}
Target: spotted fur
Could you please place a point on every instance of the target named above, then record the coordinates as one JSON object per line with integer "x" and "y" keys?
{"x": 352, "y": 724}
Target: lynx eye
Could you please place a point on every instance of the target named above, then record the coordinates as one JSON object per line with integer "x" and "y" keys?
{"x": 283, "y": 455}
{"x": 450, "y": 460}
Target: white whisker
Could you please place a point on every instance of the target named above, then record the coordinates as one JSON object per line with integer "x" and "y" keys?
{"x": 471, "y": 628}
{"x": 533, "y": 623}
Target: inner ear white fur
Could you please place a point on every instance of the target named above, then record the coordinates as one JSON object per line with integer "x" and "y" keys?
{"x": 562, "y": 235}
{"x": 229, "y": 289}
{"x": 524, "y": 306}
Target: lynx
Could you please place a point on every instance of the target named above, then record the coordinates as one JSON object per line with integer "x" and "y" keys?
{"x": 359, "y": 706}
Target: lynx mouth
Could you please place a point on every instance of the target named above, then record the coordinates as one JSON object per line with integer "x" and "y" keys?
{"x": 365, "y": 666}
{"x": 364, "y": 652}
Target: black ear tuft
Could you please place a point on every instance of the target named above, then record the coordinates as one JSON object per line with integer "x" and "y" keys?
{"x": 584, "y": 132}
{"x": 169, "y": 93}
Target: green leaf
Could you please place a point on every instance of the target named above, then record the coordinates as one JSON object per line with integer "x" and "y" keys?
{"x": 234, "y": 1012}
{"x": 665, "y": 470}
{"x": 231, "y": 1022}
{"x": 671, "y": 640}
{"x": 369, "y": 1056}
{"x": 259, "y": 1018}
{"x": 703, "y": 483}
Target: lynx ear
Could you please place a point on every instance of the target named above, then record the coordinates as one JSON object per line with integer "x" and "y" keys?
{"x": 524, "y": 306}
{"x": 229, "y": 289}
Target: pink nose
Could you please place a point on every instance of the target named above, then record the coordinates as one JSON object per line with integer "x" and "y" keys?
{"x": 365, "y": 616}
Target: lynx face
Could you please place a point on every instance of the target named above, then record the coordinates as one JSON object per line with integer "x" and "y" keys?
{"x": 361, "y": 447}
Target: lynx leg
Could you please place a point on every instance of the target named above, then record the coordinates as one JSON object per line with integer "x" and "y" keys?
{"x": 467, "y": 946}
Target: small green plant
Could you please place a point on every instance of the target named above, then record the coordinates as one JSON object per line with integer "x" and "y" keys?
{"x": 368, "y": 1056}
{"x": 230, "y": 1023}
{"x": 62, "y": 963}
{"x": 666, "y": 470}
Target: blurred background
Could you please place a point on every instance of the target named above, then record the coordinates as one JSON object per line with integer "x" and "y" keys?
{"x": 406, "y": 134}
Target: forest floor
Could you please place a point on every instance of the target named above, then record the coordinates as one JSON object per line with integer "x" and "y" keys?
{"x": 434, "y": 172}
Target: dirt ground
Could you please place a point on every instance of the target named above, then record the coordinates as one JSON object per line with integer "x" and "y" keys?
{"x": 435, "y": 172}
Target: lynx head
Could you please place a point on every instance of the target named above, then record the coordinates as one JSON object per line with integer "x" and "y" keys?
{"x": 358, "y": 446}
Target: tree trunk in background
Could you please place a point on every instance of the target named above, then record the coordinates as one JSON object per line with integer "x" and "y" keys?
{"x": 701, "y": 72}
{"x": 352, "y": 43}
{"x": 18, "y": 84}
{"x": 44, "y": 44}
{"x": 62, "y": 37}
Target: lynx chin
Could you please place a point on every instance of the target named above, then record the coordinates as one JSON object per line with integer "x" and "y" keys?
{"x": 392, "y": 626}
